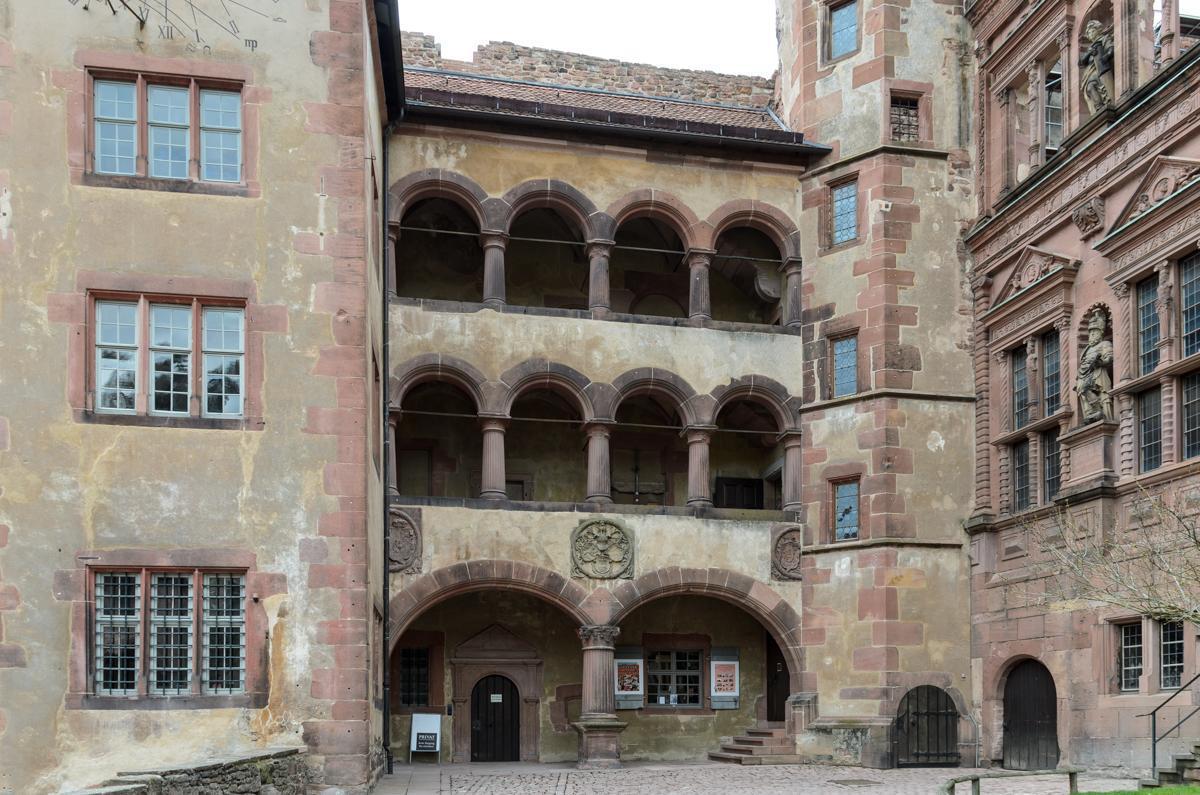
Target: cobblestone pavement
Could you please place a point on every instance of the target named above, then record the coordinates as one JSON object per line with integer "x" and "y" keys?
{"x": 709, "y": 779}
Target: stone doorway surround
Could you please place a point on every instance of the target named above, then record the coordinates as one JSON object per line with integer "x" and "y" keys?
{"x": 496, "y": 650}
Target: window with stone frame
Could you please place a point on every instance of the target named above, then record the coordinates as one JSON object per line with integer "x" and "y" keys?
{"x": 1052, "y": 109}
{"x": 1129, "y": 656}
{"x": 194, "y": 645}
{"x": 843, "y": 212}
{"x": 413, "y": 684}
{"x": 846, "y": 508}
{"x": 675, "y": 678}
{"x": 1170, "y": 655}
{"x": 1022, "y": 404}
{"x": 171, "y": 356}
{"x": 1150, "y": 441}
{"x": 164, "y": 127}
{"x": 1051, "y": 465}
{"x": 1051, "y": 372}
{"x": 904, "y": 117}
{"x": 841, "y": 29}
{"x": 1022, "y": 496}
{"x": 1147, "y": 325}
{"x": 845, "y": 366}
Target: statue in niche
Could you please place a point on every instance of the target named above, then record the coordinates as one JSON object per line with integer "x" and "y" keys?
{"x": 1096, "y": 66}
{"x": 1094, "y": 384}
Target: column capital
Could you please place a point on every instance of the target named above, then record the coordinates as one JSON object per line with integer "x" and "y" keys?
{"x": 599, "y": 427}
{"x": 493, "y": 423}
{"x": 598, "y": 635}
{"x": 698, "y": 433}
{"x": 791, "y": 265}
{"x": 599, "y": 246}
{"x": 491, "y": 238}
{"x": 699, "y": 256}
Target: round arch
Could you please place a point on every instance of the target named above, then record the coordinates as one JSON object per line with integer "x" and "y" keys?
{"x": 437, "y": 586}
{"x": 649, "y": 380}
{"x": 661, "y": 206}
{"x": 437, "y": 183}
{"x": 552, "y": 194}
{"x": 766, "y": 392}
{"x": 761, "y": 216}
{"x": 541, "y": 374}
{"x": 434, "y": 367}
{"x": 771, "y": 610}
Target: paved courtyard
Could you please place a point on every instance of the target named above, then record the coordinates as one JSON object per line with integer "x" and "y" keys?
{"x": 707, "y": 779}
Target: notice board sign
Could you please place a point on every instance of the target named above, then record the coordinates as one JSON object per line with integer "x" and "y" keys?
{"x": 426, "y": 734}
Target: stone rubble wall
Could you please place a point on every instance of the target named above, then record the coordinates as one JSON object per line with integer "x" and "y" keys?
{"x": 272, "y": 772}
{"x": 538, "y": 65}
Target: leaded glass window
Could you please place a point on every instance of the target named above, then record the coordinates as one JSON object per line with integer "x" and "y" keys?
{"x": 845, "y": 213}
{"x": 845, "y": 506}
{"x": 1150, "y": 429}
{"x": 843, "y": 29}
{"x": 1051, "y": 465}
{"x": 1147, "y": 319}
{"x": 1020, "y": 476}
{"x": 845, "y": 366}
{"x": 674, "y": 678}
{"x": 1051, "y": 374}
{"x": 1189, "y": 286}
{"x": 1022, "y": 406}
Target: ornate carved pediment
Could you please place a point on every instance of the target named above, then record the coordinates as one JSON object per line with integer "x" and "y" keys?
{"x": 1164, "y": 177}
{"x": 1032, "y": 265}
{"x": 495, "y": 643}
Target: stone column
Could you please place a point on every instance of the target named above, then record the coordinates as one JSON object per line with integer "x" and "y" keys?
{"x": 1164, "y": 305}
{"x": 1167, "y": 38}
{"x": 792, "y": 307}
{"x": 699, "y": 300}
{"x": 393, "y": 470}
{"x": 598, "y": 727}
{"x": 1070, "y": 111}
{"x": 793, "y": 462}
{"x": 1008, "y": 124}
{"x": 699, "y": 493}
{"x": 493, "y": 268}
{"x": 1035, "y": 73}
{"x": 389, "y": 276}
{"x": 492, "y": 483}
{"x": 598, "y": 252}
{"x": 599, "y": 486}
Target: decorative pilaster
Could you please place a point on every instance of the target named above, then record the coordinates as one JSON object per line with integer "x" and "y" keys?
{"x": 1125, "y": 434}
{"x": 1164, "y": 304}
{"x": 598, "y": 727}
{"x": 1034, "y": 379}
{"x": 792, "y": 308}
{"x": 1069, "y": 108}
{"x": 393, "y": 488}
{"x": 699, "y": 492}
{"x": 1036, "y": 110}
{"x": 793, "y": 463}
{"x": 1125, "y": 301}
{"x": 598, "y": 252}
{"x": 492, "y": 483}
{"x": 599, "y": 485}
{"x": 983, "y": 396}
{"x": 493, "y": 244}
{"x": 699, "y": 301}
{"x": 1168, "y": 41}
{"x": 1167, "y": 391}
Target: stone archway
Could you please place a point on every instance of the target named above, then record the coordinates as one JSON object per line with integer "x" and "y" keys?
{"x": 497, "y": 651}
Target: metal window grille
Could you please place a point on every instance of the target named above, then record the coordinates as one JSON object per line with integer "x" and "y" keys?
{"x": 1051, "y": 374}
{"x": 1020, "y": 385}
{"x": 1020, "y": 476}
{"x": 220, "y": 136}
{"x": 1054, "y": 107}
{"x": 845, "y": 212}
{"x": 171, "y": 633}
{"x": 1150, "y": 429}
{"x": 1171, "y": 654}
{"x": 1147, "y": 292}
{"x": 118, "y": 625}
{"x": 843, "y": 29}
{"x": 114, "y": 113}
{"x": 223, "y": 359}
{"x": 673, "y": 678}
{"x": 1191, "y": 415}
{"x": 116, "y": 356}
{"x": 905, "y": 118}
{"x": 1189, "y": 285}
{"x": 845, "y": 506}
{"x": 845, "y": 366}
{"x": 1129, "y": 657}
{"x": 168, "y": 134}
{"x": 1051, "y": 466}
{"x": 223, "y": 663}
{"x": 170, "y": 358}
{"x": 414, "y": 677}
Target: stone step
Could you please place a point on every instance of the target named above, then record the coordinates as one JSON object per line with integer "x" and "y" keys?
{"x": 764, "y": 739}
{"x": 760, "y": 732}
{"x": 756, "y": 750}
{"x": 765, "y": 759}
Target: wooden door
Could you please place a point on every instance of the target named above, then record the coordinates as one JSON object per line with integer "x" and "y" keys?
{"x": 778, "y": 682}
{"x": 926, "y": 729}
{"x": 495, "y": 720}
{"x": 739, "y": 493}
{"x": 1030, "y": 718}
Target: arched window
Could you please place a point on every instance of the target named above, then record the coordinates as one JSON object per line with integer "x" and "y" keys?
{"x": 649, "y": 460}
{"x": 438, "y": 254}
{"x": 746, "y": 458}
{"x": 546, "y": 261}
{"x": 438, "y": 443}
{"x": 744, "y": 279}
{"x": 647, "y": 273}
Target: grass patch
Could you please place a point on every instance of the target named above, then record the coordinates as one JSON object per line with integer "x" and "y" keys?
{"x": 1160, "y": 791}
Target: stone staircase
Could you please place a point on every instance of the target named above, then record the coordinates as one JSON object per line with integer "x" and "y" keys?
{"x": 1184, "y": 769}
{"x": 766, "y": 743}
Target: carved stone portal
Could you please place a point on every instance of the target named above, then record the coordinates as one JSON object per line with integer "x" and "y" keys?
{"x": 786, "y": 554}
{"x": 404, "y": 541}
{"x": 1089, "y": 216}
{"x": 1094, "y": 383}
{"x": 601, "y": 549}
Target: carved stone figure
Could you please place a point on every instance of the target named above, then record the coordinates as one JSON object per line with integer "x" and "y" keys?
{"x": 1096, "y": 66}
{"x": 1094, "y": 383}
{"x": 601, "y": 549}
{"x": 1089, "y": 216}
{"x": 786, "y": 555}
{"x": 404, "y": 542}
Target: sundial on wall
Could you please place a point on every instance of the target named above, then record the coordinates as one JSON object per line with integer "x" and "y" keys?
{"x": 199, "y": 24}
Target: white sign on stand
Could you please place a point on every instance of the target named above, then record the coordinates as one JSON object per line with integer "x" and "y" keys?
{"x": 425, "y": 736}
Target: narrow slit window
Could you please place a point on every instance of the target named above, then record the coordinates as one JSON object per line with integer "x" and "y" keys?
{"x": 220, "y": 136}
{"x": 1051, "y": 374}
{"x": 845, "y": 366}
{"x": 1189, "y": 286}
{"x": 116, "y": 356}
{"x": 1020, "y": 476}
{"x": 1150, "y": 429}
{"x": 168, "y": 131}
{"x": 224, "y": 347}
{"x": 1129, "y": 657}
{"x": 171, "y": 634}
{"x": 115, "y": 116}
{"x": 118, "y": 637}
{"x": 1147, "y": 318}
{"x": 223, "y": 659}
{"x": 1020, "y": 385}
{"x": 171, "y": 358}
{"x": 1051, "y": 465}
{"x": 845, "y": 212}
{"x": 845, "y": 507}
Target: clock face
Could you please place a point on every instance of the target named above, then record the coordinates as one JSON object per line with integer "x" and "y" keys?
{"x": 201, "y": 25}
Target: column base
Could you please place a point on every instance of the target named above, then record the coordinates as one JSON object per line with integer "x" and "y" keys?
{"x": 599, "y": 742}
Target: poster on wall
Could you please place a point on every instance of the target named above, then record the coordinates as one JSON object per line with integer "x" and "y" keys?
{"x": 724, "y": 678}
{"x": 629, "y": 677}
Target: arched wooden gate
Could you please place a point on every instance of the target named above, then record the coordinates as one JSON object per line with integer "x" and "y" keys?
{"x": 1030, "y": 718}
{"x": 925, "y": 733}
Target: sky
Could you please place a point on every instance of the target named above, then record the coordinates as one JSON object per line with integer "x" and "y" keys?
{"x": 733, "y": 38}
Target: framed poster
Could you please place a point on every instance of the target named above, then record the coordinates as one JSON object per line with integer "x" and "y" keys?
{"x": 724, "y": 680}
{"x": 630, "y": 677}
